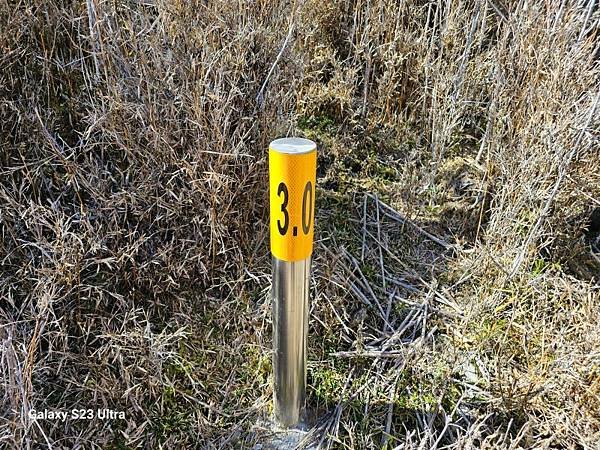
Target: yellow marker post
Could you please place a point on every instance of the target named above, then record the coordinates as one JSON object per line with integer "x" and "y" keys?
{"x": 292, "y": 179}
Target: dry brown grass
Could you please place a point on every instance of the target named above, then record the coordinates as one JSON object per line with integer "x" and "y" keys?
{"x": 455, "y": 293}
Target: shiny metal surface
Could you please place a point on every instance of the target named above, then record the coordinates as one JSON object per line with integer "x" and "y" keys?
{"x": 290, "y": 326}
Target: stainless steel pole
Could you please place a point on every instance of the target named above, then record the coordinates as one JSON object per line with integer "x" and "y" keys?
{"x": 292, "y": 178}
{"x": 290, "y": 328}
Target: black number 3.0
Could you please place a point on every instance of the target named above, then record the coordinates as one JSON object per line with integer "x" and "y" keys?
{"x": 286, "y": 222}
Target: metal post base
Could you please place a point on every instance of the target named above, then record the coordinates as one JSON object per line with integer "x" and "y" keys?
{"x": 290, "y": 330}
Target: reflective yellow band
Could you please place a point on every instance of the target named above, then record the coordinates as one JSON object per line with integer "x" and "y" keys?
{"x": 292, "y": 179}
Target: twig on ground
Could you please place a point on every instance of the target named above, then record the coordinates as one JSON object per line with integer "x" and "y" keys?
{"x": 380, "y": 244}
{"x": 364, "y": 236}
{"x": 365, "y": 283}
{"x": 393, "y": 214}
